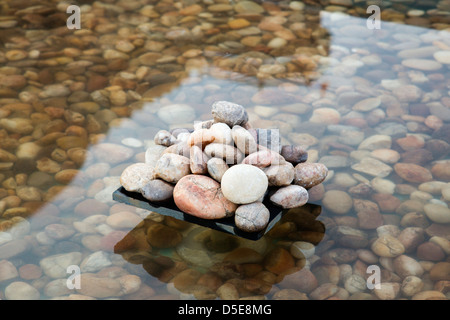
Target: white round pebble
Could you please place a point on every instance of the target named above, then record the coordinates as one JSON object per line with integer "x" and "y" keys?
{"x": 244, "y": 183}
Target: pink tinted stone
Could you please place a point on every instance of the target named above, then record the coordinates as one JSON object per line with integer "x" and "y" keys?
{"x": 413, "y": 172}
{"x": 202, "y": 197}
{"x": 309, "y": 175}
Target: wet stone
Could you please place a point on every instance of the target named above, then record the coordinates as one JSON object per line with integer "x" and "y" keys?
{"x": 294, "y": 154}
{"x": 309, "y": 175}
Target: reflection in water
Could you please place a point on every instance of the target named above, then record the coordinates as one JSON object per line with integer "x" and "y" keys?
{"x": 198, "y": 261}
{"x": 77, "y": 107}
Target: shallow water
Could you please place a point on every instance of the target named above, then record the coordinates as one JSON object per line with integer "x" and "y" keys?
{"x": 79, "y": 106}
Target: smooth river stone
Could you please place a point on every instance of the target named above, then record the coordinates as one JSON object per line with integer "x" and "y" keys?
{"x": 412, "y": 172}
{"x": 177, "y": 113}
{"x": 172, "y": 167}
{"x": 157, "y": 190}
{"x": 280, "y": 175}
{"x": 308, "y": 175}
{"x": 372, "y": 167}
{"x": 442, "y": 56}
{"x": 292, "y": 196}
{"x": 137, "y": 175}
{"x": 230, "y": 113}
{"x": 228, "y": 153}
{"x": 422, "y": 64}
{"x": 198, "y": 161}
{"x": 216, "y": 168}
{"x": 200, "y": 138}
{"x": 201, "y": 196}
{"x": 112, "y": 153}
{"x": 221, "y": 133}
{"x": 243, "y": 140}
{"x": 437, "y": 213}
{"x": 153, "y": 153}
{"x": 244, "y": 183}
{"x": 294, "y": 154}
{"x": 164, "y": 138}
{"x": 252, "y": 217}
{"x": 264, "y": 158}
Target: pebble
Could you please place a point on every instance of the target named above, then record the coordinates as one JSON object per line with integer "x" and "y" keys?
{"x": 412, "y": 172}
{"x": 229, "y": 113}
{"x": 437, "y": 213}
{"x": 325, "y": 116}
{"x": 376, "y": 142}
{"x": 7, "y": 271}
{"x": 164, "y": 138}
{"x": 308, "y": 175}
{"x": 157, "y": 190}
{"x": 440, "y": 271}
{"x": 244, "y": 183}
{"x": 430, "y": 251}
{"x": 20, "y": 290}
{"x": 111, "y": 153}
{"x": 263, "y": 158}
{"x": 202, "y": 197}
{"x": 252, "y": 217}
{"x": 198, "y": 160}
{"x": 441, "y": 171}
{"x": 136, "y": 176}
{"x": 405, "y": 266}
{"x": 172, "y": 167}
{"x": 176, "y": 114}
{"x": 200, "y": 138}
{"x": 281, "y": 175}
{"x": 228, "y": 153}
{"x": 59, "y": 231}
{"x": 291, "y": 196}
{"x": 337, "y": 201}
{"x": 243, "y": 140}
{"x": 294, "y": 154}
{"x": 411, "y": 285}
{"x": 55, "y": 266}
{"x": 123, "y": 219}
{"x": 442, "y": 56}
{"x": 221, "y": 133}
{"x": 372, "y": 167}
{"x": 387, "y": 246}
{"x": 216, "y": 168}
{"x": 387, "y": 290}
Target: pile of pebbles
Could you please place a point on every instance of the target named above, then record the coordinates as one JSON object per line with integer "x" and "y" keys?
{"x": 224, "y": 168}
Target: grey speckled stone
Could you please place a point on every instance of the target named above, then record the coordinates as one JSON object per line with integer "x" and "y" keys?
{"x": 252, "y": 217}
{"x": 230, "y": 113}
{"x": 157, "y": 190}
